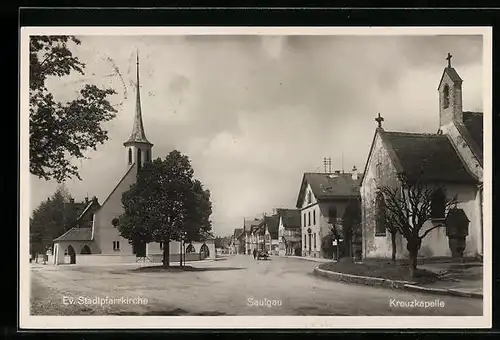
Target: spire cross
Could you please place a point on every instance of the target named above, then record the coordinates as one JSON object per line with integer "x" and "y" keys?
{"x": 379, "y": 120}
{"x": 449, "y": 59}
{"x": 137, "y": 69}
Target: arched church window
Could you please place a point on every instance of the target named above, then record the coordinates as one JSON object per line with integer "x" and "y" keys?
{"x": 309, "y": 197}
{"x": 129, "y": 156}
{"x": 446, "y": 96}
{"x": 139, "y": 158}
{"x": 380, "y": 219}
{"x": 438, "y": 204}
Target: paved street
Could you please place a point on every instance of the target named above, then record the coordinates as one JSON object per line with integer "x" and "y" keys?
{"x": 229, "y": 287}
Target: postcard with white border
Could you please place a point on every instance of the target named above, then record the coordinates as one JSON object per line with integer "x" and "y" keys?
{"x": 257, "y": 177}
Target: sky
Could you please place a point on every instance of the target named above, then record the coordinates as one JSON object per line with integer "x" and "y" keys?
{"x": 253, "y": 113}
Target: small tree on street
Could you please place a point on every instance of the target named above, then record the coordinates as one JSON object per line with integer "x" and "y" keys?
{"x": 409, "y": 206}
{"x": 165, "y": 203}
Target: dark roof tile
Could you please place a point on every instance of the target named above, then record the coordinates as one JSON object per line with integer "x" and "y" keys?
{"x": 290, "y": 217}
{"x": 430, "y": 157}
{"x": 76, "y": 234}
{"x": 330, "y": 186}
{"x": 473, "y": 122}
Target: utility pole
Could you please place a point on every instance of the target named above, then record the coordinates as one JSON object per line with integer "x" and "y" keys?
{"x": 329, "y": 165}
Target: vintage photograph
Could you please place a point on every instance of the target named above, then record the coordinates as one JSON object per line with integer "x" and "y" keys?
{"x": 220, "y": 176}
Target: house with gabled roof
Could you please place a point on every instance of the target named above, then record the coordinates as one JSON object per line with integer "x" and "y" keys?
{"x": 322, "y": 201}
{"x": 289, "y": 232}
{"x": 451, "y": 161}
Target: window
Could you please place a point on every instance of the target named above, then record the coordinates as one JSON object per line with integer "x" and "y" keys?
{"x": 139, "y": 158}
{"x": 380, "y": 215}
{"x": 309, "y": 218}
{"x": 305, "y": 220}
{"x": 129, "y": 156}
{"x": 161, "y": 245}
{"x": 310, "y": 237}
{"x": 378, "y": 170}
{"x": 438, "y": 204}
{"x": 309, "y": 199}
{"x": 314, "y": 240}
{"x": 314, "y": 217}
{"x": 446, "y": 96}
{"x": 116, "y": 245}
{"x": 305, "y": 241}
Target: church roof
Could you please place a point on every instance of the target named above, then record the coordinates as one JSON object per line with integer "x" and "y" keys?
{"x": 206, "y": 235}
{"x": 76, "y": 234}
{"x": 430, "y": 157}
{"x": 329, "y": 186}
{"x": 452, "y": 73}
{"x": 118, "y": 185}
{"x": 93, "y": 202}
{"x": 290, "y": 218}
{"x": 473, "y": 122}
{"x": 138, "y": 135}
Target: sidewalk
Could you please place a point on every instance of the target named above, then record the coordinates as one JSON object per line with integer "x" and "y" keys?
{"x": 465, "y": 279}
{"x": 444, "y": 278}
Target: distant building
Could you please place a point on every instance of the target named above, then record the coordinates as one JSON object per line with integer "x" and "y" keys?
{"x": 237, "y": 247}
{"x": 289, "y": 232}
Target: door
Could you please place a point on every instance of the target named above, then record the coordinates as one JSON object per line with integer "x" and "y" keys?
{"x": 72, "y": 255}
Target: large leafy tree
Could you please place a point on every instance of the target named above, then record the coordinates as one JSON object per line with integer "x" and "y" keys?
{"x": 51, "y": 219}
{"x": 408, "y": 206}
{"x": 165, "y": 203}
{"x": 62, "y": 132}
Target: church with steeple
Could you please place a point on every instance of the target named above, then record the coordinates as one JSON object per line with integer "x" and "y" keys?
{"x": 103, "y": 238}
{"x": 449, "y": 160}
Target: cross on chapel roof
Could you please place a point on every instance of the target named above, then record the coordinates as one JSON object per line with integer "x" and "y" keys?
{"x": 379, "y": 120}
{"x": 449, "y": 59}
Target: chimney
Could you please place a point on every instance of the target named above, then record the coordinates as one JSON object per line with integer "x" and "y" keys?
{"x": 354, "y": 173}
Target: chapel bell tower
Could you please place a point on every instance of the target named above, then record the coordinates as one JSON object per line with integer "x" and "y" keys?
{"x": 138, "y": 146}
{"x": 450, "y": 96}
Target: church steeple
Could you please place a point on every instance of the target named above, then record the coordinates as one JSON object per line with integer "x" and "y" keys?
{"x": 450, "y": 96}
{"x": 138, "y": 141}
{"x": 138, "y": 135}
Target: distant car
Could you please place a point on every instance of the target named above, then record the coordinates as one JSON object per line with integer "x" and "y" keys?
{"x": 262, "y": 255}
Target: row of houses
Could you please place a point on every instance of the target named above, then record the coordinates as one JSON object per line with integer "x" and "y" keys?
{"x": 348, "y": 208}
{"x": 322, "y": 203}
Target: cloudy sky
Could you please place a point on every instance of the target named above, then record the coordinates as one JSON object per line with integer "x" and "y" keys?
{"x": 254, "y": 113}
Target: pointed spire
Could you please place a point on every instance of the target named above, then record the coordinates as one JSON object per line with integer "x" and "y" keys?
{"x": 138, "y": 135}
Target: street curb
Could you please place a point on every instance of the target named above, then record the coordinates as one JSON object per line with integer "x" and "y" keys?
{"x": 365, "y": 280}
{"x": 394, "y": 284}
{"x": 310, "y": 259}
{"x": 452, "y": 292}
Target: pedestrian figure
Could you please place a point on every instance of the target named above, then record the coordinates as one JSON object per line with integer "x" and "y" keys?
{"x": 254, "y": 254}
